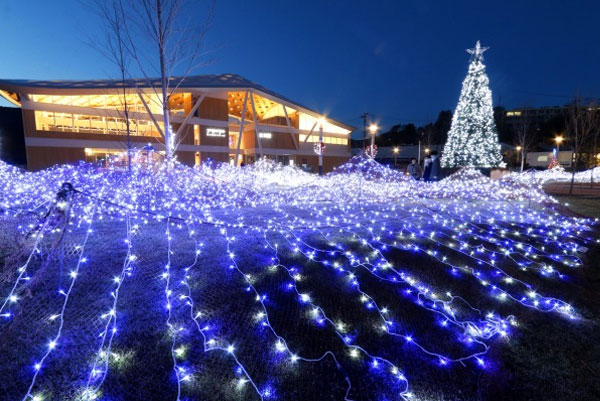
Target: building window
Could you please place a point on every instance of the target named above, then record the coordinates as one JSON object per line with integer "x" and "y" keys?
{"x": 326, "y": 139}
{"x": 196, "y": 135}
{"x": 66, "y": 122}
{"x": 307, "y": 123}
{"x": 107, "y": 102}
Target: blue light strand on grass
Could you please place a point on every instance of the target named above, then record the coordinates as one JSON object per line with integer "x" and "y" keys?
{"x": 180, "y": 373}
{"x": 12, "y": 296}
{"x": 210, "y": 344}
{"x": 486, "y": 332}
{"x": 97, "y": 376}
{"x": 281, "y": 344}
{"x": 73, "y": 274}
{"x": 319, "y": 315}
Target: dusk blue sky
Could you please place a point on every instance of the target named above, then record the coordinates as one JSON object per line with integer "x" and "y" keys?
{"x": 401, "y": 61}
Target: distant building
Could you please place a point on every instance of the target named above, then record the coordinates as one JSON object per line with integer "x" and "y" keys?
{"x": 542, "y": 159}
{"x": 399, "y": 154}
{"x": 216, "y": 117}
{"x": 537, "y": 116}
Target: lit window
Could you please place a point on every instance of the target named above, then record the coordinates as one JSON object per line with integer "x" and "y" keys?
{"x": 196, "y": 135}
{"x": 307, "y": 123}
{"x": 65, "y": 122}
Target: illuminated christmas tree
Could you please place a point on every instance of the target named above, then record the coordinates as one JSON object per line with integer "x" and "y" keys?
{"x": 473, "y": 138}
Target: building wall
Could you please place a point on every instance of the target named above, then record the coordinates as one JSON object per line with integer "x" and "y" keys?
{"x": 278, "y": 140}
{"x": 543, "y": 159}
{"x": 329, "y": 162}
{"x": 12, "y": 142}
{"x": 41, "y": 157}
{"x": 213, "y": 109}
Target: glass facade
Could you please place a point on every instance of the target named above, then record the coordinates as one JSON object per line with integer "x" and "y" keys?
{"x": 108, "y": 102}
{"x": 326, "y": 139}
{"x": 66, "y": 122}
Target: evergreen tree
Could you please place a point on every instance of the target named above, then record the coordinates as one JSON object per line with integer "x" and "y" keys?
{"x": 473, "y": 138}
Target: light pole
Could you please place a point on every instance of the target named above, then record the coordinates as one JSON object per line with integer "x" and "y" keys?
{"x": 396, "y": 150}
{"x": 373, "y": 131}
{"x": 518, "y": 148}
{"x": 558, "y": 140}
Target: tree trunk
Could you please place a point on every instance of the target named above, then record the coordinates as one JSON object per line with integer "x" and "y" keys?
{"x": 522, "y": 159}
{"x": 593, "y": 163}
{"x": 164, "y": 83}
{"x": 127, "y": 124}
{"x": 573, "y": 175}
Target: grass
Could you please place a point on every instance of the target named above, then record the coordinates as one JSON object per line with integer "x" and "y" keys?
{"x": 546, "y": 357}
{"x": 589, "y": 207}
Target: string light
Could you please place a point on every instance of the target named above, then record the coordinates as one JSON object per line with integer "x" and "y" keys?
{"x": 343, "y": 230}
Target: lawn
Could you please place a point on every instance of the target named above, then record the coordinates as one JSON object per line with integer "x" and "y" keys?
{"x": 353, "y": 286}
{"x": 585, "y": 199}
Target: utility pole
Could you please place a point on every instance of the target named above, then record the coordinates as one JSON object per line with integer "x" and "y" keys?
{"x": 365, "y": 117}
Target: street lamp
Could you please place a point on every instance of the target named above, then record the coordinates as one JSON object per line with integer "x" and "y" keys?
{"x": 373, "y": 130}
{"x": 558, "y": 140}
{"x": 518, "y": 148}
{"x": 396, "y": 150}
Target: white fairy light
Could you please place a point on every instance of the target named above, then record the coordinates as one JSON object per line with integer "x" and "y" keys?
{"x": 473, "y": 138}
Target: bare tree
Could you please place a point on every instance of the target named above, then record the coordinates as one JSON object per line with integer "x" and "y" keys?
{"x": 428, "y": 134}
{"x": 593, "y": 116}
{"x": 525, "y": 131}
{"x": 112, "y": 13}
{"x": 579, "y": 128}
{"x": 177, "y": 46}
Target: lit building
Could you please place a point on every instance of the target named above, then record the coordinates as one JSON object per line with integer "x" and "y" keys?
{"x": 221, "y": 117}
{"x": 534, "y": 116}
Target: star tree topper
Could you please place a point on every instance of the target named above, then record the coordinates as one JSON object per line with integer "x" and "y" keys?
{"x": 477, "y": 51}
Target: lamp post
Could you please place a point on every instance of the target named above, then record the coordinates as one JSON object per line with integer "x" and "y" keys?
{"x": 558, "y": 140}
{"x": 396, "y": 150}
{"x": 518, "y": 148}
{"x": 373, "y": 130}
